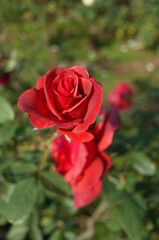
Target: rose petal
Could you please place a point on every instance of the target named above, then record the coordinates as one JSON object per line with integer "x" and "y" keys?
{"x": 67, "y": 125}
{"x": 33, "y": 102}
{"x": 65, "y": 153}
{"x": 63, "y": 91}
{"x": 64, "y": 103}
{"x": 88, "y": 188}
{"x": 48, "y": 89}
{"x": 85, "y": 86}
{"x": 83, "y": 199}
{"x": 40, "y": 83}
{"x": 80, "y": 71}
{"x": 80, "y": 161}
{"x": 93, "y": 108}
{"x": 36, "y": 111}
{"x": 121, "y": 96}
{"x": 124, "y": 87}
{"x": 66, "y": 83}
{"x": 80, "y": 137}
{"x": 92, "y": 150}
{"x": 78, "y": 109}
{"x": 106, "y": 133}
{"x": 107, "y": 161}
{"x": 90, "y": 176}
{"x": 99, "y": 126}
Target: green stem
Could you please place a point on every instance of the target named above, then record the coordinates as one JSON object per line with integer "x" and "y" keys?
{"x": 42, "y": 161}
{"x": 45, "y": 153}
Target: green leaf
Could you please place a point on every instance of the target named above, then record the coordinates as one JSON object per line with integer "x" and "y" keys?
{"x": 111, "y": 192}
{"x": 36, "y": 233}
{"x": 131, "y": 213}
{"x": 98, "y": 119}
{"x": 56, "y": 235}
{"x": 19, "y": 171}
{"x": 53, "y": 181}
{"x": 7, "y": 190}
{"x": 70, "y": 235}
{"x": 5, "y": 110}
{"x": 21, "y": 201}
{"x": 3, "y": 220}
{"x": 102, "y": 232}
{"x": 17, "y": 232}
{"x": 12, "y": 63}
{"x": 7, "y": 132}
{"x": 143, "y": 164}
{"x": 2, "y": 208}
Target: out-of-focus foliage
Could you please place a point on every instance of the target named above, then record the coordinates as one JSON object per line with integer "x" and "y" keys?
{"x": 116, "y": 40}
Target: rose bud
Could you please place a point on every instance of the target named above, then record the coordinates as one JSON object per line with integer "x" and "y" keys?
{"x": 67, "y": 98}
{"x": 121, "y": 96}
{"x": 84, "y": 164}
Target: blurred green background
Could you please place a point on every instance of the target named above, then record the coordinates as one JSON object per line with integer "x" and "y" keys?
{"x": 116, "y": 40}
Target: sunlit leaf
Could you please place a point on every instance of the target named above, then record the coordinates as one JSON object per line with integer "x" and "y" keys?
{"x": 131, "y": 213}
{"x": 52, "y": 181}
{"x": 17, "y": 232}
{"x": 7, "y": 132}
{"x": 35, "y": 233}
{"x": 56, "y": 235}
{"x": 19, "y": 171}
{"x": 143, "y": 164}
{"x": 6, "y": 110}
{"x": 21, "y": 201}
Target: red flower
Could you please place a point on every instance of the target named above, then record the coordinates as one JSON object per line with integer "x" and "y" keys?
{"x": 83, "y": 164}
{"x": 67, "y": 98}
{"x": 4, "y": 78}
{"x": 121, "y": 96}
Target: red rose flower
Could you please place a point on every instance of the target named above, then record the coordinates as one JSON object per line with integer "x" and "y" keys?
{"x": 68, "y": 98}
{"x": 4, "y": 75}
{"x": 121, "y": 96}
{"x": 4, "y": 78}
{"x": 83, "y": 164}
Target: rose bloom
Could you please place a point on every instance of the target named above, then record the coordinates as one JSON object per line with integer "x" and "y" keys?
{"x": 4, "y": 76}
{"x": 68, "y": 98}
{"x": 121, "y": 96}
{"x": 84, "y": 164}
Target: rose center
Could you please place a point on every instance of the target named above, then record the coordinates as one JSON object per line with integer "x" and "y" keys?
{"x": 126, "y": 95}
{"x": 68, "y": 84}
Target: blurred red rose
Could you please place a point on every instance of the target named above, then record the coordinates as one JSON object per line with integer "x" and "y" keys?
{"x": 4, "y": 76}
{"x": 121, "y": 96}
{"x": 84, "y": 164}
{"x": 68, "y": 98}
